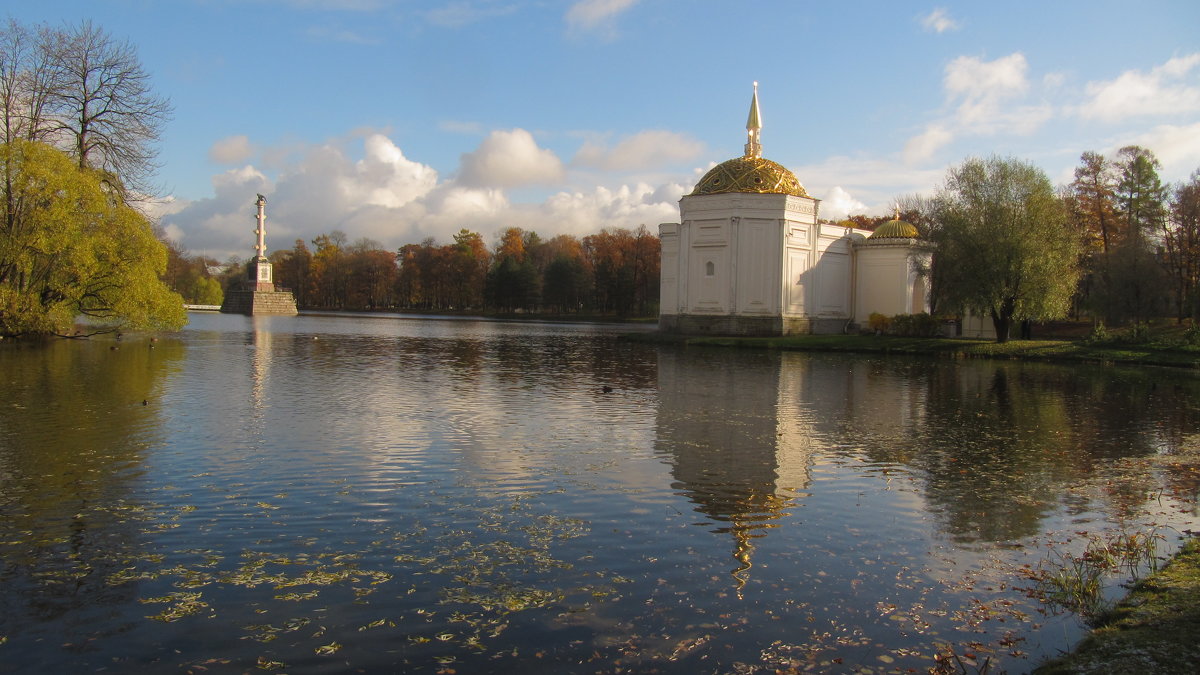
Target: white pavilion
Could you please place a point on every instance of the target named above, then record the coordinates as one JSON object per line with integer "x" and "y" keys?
{"x": 751, "y": 257}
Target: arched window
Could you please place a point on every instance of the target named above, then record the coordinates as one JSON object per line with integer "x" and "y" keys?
{"x": 710, "y": 270}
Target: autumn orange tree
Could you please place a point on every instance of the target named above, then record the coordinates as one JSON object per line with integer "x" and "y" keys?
{"x": 1181, "y": 242}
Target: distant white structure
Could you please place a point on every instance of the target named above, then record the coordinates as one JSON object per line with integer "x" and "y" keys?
{"x": 749, "y": 257}
{"x": 257, "y": 293}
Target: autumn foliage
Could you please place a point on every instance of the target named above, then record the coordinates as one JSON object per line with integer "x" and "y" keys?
{"x": 615, "y": 272}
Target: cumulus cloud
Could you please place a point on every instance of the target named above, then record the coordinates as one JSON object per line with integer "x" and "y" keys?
{"x": 1177, "y": 148}
{"x": 874, "y": 182}
{"x": 927, "y": 143}
{"x": 596, "y": 15}
{"x": 644, "y": 150}
{"x": 1165, "y": 90}
{"x": 939, "y": 21}
{"x": 984, "y": 98}
{"x": 837, "y": 204}
{"x": 231, "y": 150}
{"x": 981, "y": 86}
{"x": 508, "y": 159}
{"x": 372, "y": 190}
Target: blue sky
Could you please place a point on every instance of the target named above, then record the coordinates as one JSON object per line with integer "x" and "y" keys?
{"x": 401, "y": 120}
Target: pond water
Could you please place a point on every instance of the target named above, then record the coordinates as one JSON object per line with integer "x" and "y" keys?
{"x": 382, "y": 494}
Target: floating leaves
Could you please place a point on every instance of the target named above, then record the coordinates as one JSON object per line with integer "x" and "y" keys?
{"x": 266, "y": 664}
{"x": 182, "y": 605}
{"x": 328, "y": 650}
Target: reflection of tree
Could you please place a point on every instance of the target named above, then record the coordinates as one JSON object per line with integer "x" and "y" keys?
{"x": 77, "y": 419}
{"x": 1000, "y": 444}
{"x": 733, "y": 455}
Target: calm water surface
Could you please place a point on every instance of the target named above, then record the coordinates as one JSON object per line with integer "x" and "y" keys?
{"x": 327, "y": 494}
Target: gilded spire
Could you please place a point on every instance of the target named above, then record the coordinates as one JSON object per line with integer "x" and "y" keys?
{"x": 753, "y": 127}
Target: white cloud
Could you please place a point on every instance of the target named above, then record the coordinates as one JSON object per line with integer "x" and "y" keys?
{"x": 644, "y": 150}
{"x": 231, "y": 150}
{"x": 874, "y": 182}
{"x": 509, "y": 159}
{"x": 1135, "y": 93}
{"x": 459, "y": 14}
{"x": 837, "y": 204}
{"x": 583, "y": 213}
{"x": 384, "y": 177}
{"x": 345, "y": 36}
{"x": 460, "y": 127}
{"x": 939, "y": 21}
{"x": 923, "y": 146}
{"x": 596, "y": 15}
{"x": 1176, "y": 147}
{"x": 981, "y": 86}
{"x": 394, "y": 200}
{"x": 984, "y": 99}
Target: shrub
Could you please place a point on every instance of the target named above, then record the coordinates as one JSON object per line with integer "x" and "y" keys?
{"x": 1098, "y": 334}
{"x": 878, "y": 322}
{"x": 916, "y": 325}
{"x": 1191, "y": 336}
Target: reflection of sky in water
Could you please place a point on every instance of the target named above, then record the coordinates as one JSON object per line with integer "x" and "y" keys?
{"x": 434, "y": 494}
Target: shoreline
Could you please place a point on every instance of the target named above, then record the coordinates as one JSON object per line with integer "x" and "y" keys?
{"x": 1155, "y": 628}
{"x": 1145, "y": 354}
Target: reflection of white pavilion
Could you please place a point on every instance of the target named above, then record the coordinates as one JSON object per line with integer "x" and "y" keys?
{"x": 743, "y": 430}
{"x": 751, "y": 257}
{"x": 733, "y": 454}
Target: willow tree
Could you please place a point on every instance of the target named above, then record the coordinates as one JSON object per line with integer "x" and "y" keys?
{"x": 1005, "y": 248}
{"x": 71, "y": 247}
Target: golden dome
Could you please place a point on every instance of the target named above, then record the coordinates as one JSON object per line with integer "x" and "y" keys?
{"x": 895, "y": 229}
{"x": 750, "y": 174}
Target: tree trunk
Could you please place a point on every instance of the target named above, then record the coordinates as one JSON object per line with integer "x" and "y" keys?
{"x": 1001, "y": 322}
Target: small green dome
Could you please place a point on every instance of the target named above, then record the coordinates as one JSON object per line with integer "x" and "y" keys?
{"x": 895, "y": 229}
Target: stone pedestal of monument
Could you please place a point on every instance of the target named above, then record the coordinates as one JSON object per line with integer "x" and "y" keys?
{"x": 258, "y": 294}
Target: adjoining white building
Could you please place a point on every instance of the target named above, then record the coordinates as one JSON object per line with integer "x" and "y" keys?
{"x": 749, "y": 257}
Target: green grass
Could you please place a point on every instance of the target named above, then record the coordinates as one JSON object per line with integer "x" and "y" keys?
{"x": 1161, "y": 353}
{"x": 1155, "y": 629}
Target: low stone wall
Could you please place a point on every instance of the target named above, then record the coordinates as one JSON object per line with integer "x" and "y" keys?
{"x": 752, "y": 326}
{"x": 280, "y": 303}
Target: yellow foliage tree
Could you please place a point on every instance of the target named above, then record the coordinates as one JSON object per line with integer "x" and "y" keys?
{"x": 70, "y": 246}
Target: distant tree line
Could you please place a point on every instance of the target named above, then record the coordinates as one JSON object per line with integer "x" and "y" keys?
{"x": 613, "y": 272}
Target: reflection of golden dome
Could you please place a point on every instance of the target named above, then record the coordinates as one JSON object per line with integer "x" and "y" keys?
{"x": 895, "y": 229}
{"x": 750, "y": 174}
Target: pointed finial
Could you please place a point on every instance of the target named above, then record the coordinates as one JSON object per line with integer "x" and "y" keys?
{"x": 897, "y": 211}
{"x": 753, "y": 127}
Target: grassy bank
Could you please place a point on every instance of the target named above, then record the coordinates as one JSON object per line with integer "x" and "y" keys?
{"x": 1155, "y": 629}
{"x": 1156, "y": 353}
